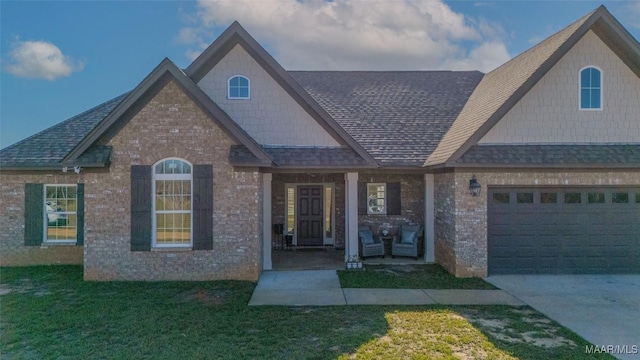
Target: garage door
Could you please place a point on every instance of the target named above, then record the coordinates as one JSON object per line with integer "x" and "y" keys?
{"x": 563, "y": 230}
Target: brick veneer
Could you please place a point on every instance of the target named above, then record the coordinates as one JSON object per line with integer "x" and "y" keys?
{"x": 411, "y": 197}
{"x": 170, "y": 125}
{"x": 12, "y": 249}
{"x": 461, "y": 220}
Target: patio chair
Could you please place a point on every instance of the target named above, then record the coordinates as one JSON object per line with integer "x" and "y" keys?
{"x": 370, "y": 245}
{"x": 408, "y": 241}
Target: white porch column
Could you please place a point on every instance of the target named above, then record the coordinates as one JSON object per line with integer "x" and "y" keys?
{"x": 429, "y": 218}
{"x": 351, "y": 215}
{"x": 266, "y": 221}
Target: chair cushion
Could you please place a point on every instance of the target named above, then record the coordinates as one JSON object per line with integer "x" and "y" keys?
{"x": 408, "y": 237}
{"x": 366, "y": 236}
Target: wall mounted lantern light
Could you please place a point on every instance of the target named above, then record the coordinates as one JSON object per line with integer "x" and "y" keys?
{"x": 474, "y": 187}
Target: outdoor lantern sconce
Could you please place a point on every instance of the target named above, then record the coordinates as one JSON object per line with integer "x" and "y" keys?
{"x": 474, "y": 187}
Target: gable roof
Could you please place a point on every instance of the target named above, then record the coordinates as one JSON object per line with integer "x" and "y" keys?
{"x": 399, "y": 117}
{"x": 137, "y": 98}
{"x": 503, "y": 87}
{"x": 46, "y": 149}
{"x": 237, "y": 35}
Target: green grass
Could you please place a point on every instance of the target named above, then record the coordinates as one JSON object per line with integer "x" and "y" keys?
{"x": 50, "y": 313}
{"x": 431, "y": 276}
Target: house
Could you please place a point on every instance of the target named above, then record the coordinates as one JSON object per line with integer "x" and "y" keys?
{"x": 184, "y": 177}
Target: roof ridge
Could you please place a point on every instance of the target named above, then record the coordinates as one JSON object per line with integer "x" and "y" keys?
{"x": 384, "y": 71}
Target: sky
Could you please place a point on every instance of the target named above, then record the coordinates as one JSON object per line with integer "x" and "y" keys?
{"x": 60, "y": 58}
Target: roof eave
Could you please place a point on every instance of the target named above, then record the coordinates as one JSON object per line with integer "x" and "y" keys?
{"x": 545, "y": 166}
{"x": 51, "y": 167}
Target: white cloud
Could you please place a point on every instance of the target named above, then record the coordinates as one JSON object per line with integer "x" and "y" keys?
{"x": 485, "y": 56}
{"x": 40, "y": 60}
{"x": 366, "y": 35}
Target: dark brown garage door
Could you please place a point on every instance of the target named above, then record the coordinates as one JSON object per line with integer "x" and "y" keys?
{"x": 564, "y": 230}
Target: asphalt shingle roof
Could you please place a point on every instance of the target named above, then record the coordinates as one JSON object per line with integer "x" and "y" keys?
{"x": 47, "y": 148}
{"x": 496, "y": 88}
{"x": 398, "y": 117}
{"x": 548, "y": 155}
{"x": 300, "y": 156}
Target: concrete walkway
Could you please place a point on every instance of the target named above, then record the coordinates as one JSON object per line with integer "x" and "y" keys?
{"x": 322, "y": 288}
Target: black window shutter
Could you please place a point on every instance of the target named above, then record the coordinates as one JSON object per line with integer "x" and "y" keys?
{"x": 141, "y": 208}
{"x": 202, "y": 207}
{"x": 394, "y": 204}
{"x": 33, "y": 214}
{"x": 362, "y": 198}
{"x": 80, "y": 214}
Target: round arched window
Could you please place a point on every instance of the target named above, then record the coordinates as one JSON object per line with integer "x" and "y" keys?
{"x": 172, "y": 188}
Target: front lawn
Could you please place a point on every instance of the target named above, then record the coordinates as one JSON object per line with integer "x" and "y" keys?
{"x": 430, "y": 276}
{"x": 50, "y": 313}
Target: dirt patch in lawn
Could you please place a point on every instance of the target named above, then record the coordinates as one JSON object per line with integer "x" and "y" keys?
{"x": 205, "y": 297}
{"x": 520, "y": 326}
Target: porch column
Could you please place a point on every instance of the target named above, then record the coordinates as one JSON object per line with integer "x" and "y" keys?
{"x": 429, "y": 218}
{"x": 351, "y": 212}
{"x": 266, "y": 221}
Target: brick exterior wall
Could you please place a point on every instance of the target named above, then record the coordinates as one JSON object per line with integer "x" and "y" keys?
{"x": 12, "y": 249}
{"x": 170, "y": 125}
{"x": 278, "y": 198}
{"x": 411, "y": 197}
{"x": 465, "y": 235}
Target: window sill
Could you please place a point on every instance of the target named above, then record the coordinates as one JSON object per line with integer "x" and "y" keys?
{"x": 172, "y": 249}
{"x": 46, "y": 244}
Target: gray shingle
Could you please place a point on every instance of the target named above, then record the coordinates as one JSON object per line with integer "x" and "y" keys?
{"x": 300, "y": 156}
{"x": 48, "y": 147}
{"x": 397, "y": 116}
{"x": 559, "y": 155}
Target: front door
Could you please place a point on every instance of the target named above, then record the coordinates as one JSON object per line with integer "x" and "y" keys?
{"x": 310, "y": 229}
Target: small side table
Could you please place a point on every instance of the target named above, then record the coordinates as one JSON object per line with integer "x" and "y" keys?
{"x": 388, "y": 240}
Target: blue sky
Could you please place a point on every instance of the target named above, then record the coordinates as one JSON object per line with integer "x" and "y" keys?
{"x": 59, "y": 58}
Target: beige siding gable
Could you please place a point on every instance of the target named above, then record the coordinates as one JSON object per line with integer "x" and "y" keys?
{"x": 549, "y": 112}
{"x": 270, "y": 116}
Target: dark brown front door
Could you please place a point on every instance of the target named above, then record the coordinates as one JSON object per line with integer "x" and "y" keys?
{"x": 310, "y": 215}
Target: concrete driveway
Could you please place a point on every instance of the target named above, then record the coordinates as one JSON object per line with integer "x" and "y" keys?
{"x": 603, "y": 309}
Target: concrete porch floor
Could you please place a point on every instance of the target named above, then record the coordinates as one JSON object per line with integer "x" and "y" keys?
{"x": 327, "y": 259}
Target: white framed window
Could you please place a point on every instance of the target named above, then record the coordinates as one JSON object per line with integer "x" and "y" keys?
{"x": 239, "y": 87}
{"x": 61, "y": 219}
{"x": 590, "y": 92}
{"x": 376, "y": 198}
{"x": 172, "y": 215}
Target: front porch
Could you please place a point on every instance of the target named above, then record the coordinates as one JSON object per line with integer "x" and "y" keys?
{"x": 318, "y": 213}
{"x": 328, "y": 258}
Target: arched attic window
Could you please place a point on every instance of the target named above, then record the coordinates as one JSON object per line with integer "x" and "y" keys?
{"x": 590, "y": 96}
{"x": 239, "y": 87}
